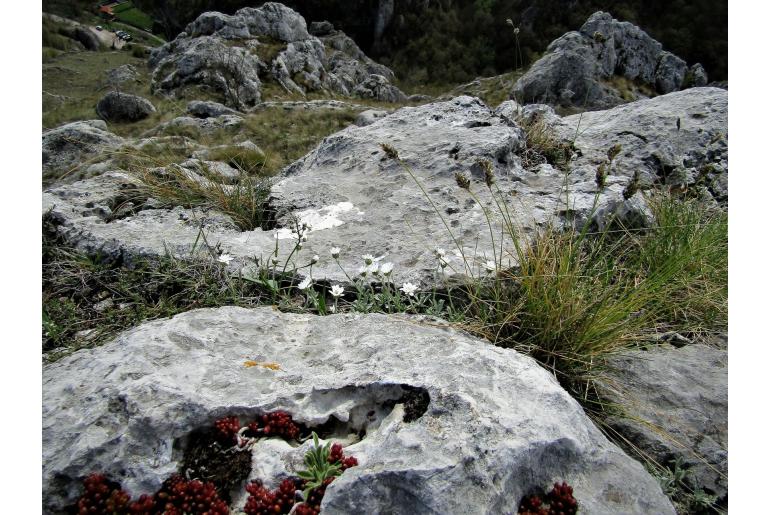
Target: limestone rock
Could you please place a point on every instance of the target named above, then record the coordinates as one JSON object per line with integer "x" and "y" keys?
{"x": 69, "y": 145}
{"x": 377, "y": 87}
{"x": 698, "y": 77}
{"x": 578, "y": 69}
{"x": 480, "y": 444}
{"x": 670, "y": 73}
{"x": 369, "y": 116}
{"x": 205, "y": 109}
{"x": 358, "y": 200}
{"x": 123, "y": 107}
{"x": 122, "y": 75}
{"x": 676, "y": 401}
{"x": 234, "y": 54}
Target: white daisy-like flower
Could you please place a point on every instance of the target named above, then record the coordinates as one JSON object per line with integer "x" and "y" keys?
{"x": 386, "y": 269}
{"x": 335, "y": 252}
{"x": 274, "y": 260}
{"x": 306, "y": 282}
{"x": 443, "y": 261}
{"x": 440, "y": 252}
{"x": 363, "y": 271}
{"x": 314, "y": 259}
{"x": 368, "y": 259}
{"x": 409, "y": 289}
{"x": 337, "y": 291}
{"x": 374, "y": 268}
{"x": 225, "y": 258}
{"x": 490, "y": 266}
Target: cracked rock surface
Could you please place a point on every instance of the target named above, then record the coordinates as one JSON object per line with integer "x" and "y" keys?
{"x": 496, "y": 425}
{"x": 358, "y": 200}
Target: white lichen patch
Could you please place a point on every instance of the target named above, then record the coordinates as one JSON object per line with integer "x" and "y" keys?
{"x": 327, "y": 217}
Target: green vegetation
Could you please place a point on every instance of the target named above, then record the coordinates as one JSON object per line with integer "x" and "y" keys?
{"x": 248, "y": 160}
{"x": 128, "y": 13}
{"x": 86, "y": 300}
{"x": 245, "y": 201}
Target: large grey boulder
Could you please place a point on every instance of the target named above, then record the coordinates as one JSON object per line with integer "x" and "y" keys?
{"x": 229, "y": 70}
{"x": 121, "y": 75}
{"x": 673, "y": 404}
{"x": 124, "y": 107}
{"x": 675, "y": 140}
{"x": 481, "y": 442}
{"x": 69, "y": 145}
{"x": 234, "y": 54}
{"x": 578, "y": 69}
{"x": 358, "y": 200}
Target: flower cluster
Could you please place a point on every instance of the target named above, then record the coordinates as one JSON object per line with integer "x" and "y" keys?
{"x": 179, "y": 496}
{"x": 276, "y": 423}
{"x": 336, "y": 455}
{"x": 559, "y": 501}
{"x": 262, "y": 501}
{"x": 284, "y": 499}
{"x": 227, "y": 428}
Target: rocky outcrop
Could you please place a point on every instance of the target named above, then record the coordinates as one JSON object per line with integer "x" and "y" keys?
{"x": 70, "y": 145}
{"x": 474, "y": 443}
{"x": 235, "y": 54}
{"x": 204, "y": 109}
{"x": 124, "y": 107}
{"x": 121, "y": 75}
{"x": 357, "y": 199}
{"x": 673, "y": 405}
{"x": 369, "y": 116}
{"x": 580, "y": 68}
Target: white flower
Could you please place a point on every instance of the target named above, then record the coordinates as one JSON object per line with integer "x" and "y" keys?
{"x": 363, "y": 271}
{"x": 225, "y": 258}
{"x": 314, "y": 259}
{"x": 490, "y": 266}
{"x": 386, "y": 269}
{"x": 368, "y": 259}
{"x": 374, "y": 268}
{"x": 409, "y": 289}
{"x": 332, "y": 309}
{"x": 335, "y": 252}
{"x": 306, "y": 282}
{"x": 440, "y": 252}
{"x": 443, "y": 261}
{"x": 337, "y": 291}
{"x": 274, "y": 260}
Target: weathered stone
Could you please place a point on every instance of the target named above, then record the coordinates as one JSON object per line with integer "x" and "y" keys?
{"x": 121, "y": 75}
{"x": 674, "y": 404}
{"x": 357, "y": 199}
{"x": 69, "y": 145}
{"x": 578, "y": 68}
{"x": 377, "y": 87}
{"x": 204, "y": 109}
{"x": 698, "y": 75}
{"x": 684, "y": 130}
{"x": 670, "y": 73}
{"x": 200, "y": 125}
{"x": 123, "y": 107}
{"x": 233, "y": 54}
{"x": 230, "y": 70}
{"x": 369, "y": 116}
{"x": 482, "y": 442}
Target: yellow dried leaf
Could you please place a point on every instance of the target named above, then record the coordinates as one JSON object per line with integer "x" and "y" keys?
{"x": 271, "y": 366}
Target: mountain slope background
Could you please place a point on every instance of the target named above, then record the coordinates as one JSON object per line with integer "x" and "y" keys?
{"x": 450, "y": 41}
